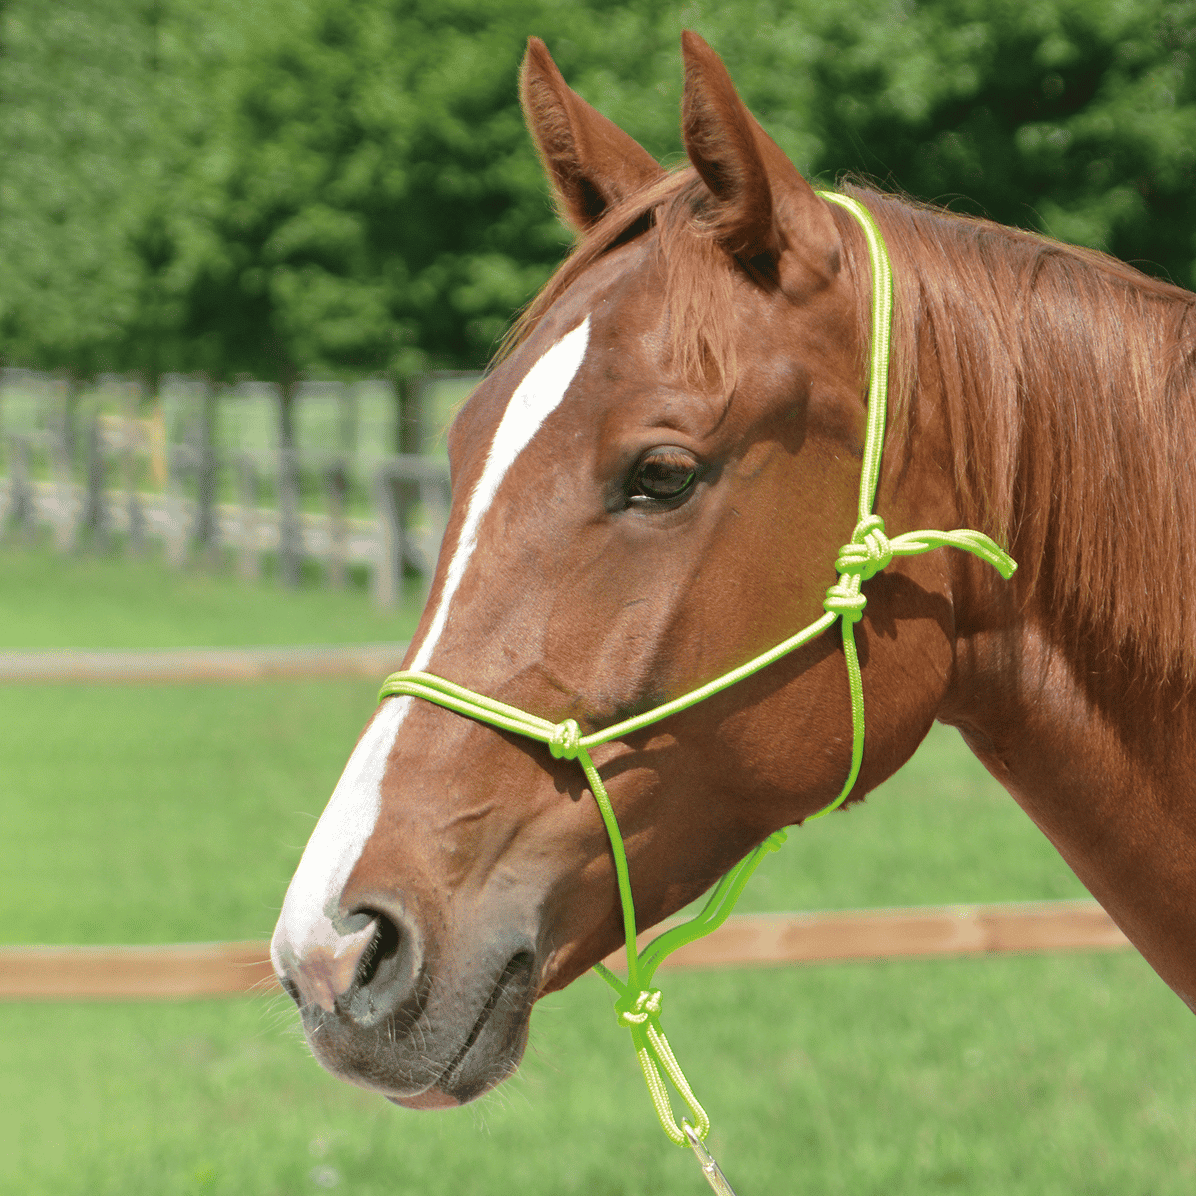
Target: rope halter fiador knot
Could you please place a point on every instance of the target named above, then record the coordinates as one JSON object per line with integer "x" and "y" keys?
{"x": 869, "y": 551}
{"x": 565, "y": 742}
{"x": 646, "y": 1005}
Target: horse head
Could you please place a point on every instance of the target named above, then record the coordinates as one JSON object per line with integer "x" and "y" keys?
{"x": 651, "y": 486}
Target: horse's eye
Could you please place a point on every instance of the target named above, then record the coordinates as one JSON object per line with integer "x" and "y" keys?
{"x": 663, "y": 475}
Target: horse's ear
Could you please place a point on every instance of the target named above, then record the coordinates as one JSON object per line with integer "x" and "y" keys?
{"x": 763, "y": 207}
{"x": 591, "y": 162}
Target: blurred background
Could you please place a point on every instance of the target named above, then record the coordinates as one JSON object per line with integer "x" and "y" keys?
{"x": 253, "y": 255}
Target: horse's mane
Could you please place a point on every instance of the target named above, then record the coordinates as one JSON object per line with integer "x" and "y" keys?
{"x": 1069, "y": 386}
{"x": 1066, "y": 379}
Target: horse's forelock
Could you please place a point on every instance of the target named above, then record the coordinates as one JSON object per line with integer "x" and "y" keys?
{"x": 697, "y": 276}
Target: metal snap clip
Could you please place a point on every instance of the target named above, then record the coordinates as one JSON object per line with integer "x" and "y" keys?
{"x": 710, "y": 1169}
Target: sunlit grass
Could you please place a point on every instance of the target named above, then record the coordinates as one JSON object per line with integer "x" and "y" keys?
{"x": 1033, "y": 1076}
{"x": 163, "y": 813}
{"x": 82, "y": 600}
{"x": 166, "y": 813}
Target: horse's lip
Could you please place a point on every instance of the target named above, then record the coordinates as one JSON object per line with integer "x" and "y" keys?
{"x": 439, "y": 1094}
{"x": 430, "y": 1098}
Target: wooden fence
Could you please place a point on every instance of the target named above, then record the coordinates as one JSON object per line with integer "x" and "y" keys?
{"x": 234, "y": 475}
{"x": 748, "y": 940}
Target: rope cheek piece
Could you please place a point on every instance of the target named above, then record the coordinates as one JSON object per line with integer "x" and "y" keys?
{"x": 638, "y": 1004}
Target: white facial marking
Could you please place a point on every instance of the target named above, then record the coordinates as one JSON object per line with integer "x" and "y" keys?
{"x": 539, "y": 394}
{"x": 309, "y": 927}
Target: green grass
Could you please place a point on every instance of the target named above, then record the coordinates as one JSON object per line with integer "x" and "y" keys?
{"x": 86, "y": 601}
{"x": 163, "y": 813}
{"x": 1035, "y": 1076}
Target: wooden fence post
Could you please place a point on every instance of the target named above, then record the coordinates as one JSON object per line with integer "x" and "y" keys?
{"x": 396, "y": 483}
{"x": 135, "y": 511}
{"x": 290, "y": 533}
{"x": 410, "y": 396}
{"x": 336, "y": 483}
{"x": 65, "y": 520}
{"x": 388, "y": 562}
{"x": 94, "y": 520}
{"x": 179, "y": 460}
{"x": 205, "y": 532}
{"x": 249, "y": 566}
{"x": 436, "y": 495}
{"x": 20, "y": 517}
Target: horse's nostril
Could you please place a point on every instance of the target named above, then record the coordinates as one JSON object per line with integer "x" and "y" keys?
{"x": 384, "y": 946}
{"x": 387, "y": 977}
{"x": 292, "y": 990}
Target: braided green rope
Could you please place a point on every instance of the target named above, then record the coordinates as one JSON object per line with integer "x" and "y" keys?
{"x": 866, "y": 554}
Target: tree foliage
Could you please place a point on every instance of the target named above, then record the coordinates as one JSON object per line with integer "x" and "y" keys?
{"x": 313, "y": 186}
{"x": 105, "y": 107}
{"x": 1076, "y": 118}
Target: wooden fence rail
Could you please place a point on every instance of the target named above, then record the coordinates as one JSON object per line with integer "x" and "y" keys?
{"x": 750, "y": 940}
{"x": 188, "y": 666}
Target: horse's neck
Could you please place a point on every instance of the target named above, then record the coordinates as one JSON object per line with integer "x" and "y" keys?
{"x": 1106, "y": 767}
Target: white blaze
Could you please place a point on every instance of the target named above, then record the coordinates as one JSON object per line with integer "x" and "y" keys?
{"x": 539, "y": 394}
{"x": 340, "y": 836}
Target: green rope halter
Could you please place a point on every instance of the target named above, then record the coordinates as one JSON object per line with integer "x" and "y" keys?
{"x": 869, "y": 551}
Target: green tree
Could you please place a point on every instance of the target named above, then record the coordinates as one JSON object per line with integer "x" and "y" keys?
{"x": 67, "y": 285}
{"x": 307, "y": 185}
{"x": 103, "y": 106}
{"x": 382, "y": 207}
{"x": 1076, "y": 118}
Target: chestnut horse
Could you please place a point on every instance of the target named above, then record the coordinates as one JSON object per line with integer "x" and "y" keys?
{"x": 651, "y": 487}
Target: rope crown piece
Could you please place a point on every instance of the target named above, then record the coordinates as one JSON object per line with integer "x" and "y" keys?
{"x": 869, "y": 551}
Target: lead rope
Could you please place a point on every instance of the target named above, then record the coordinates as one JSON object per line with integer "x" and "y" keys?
{"x": 638, "y": 1004}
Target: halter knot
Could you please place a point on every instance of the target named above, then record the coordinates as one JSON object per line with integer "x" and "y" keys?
{"x": 646, "y": 1004}
{"x": 845, "y": 601}
{"x": 869, "y": 551}
{"x": 867, "y": 554}
{"x": 566, "y": 740}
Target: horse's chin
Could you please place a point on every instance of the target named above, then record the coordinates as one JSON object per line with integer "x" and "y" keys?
{"x": 449, "y": 1053}
{"x": 463, "y": 1075}
{"x": 490, "y": 1060}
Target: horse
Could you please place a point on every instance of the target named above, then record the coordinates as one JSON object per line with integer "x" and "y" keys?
{"x": 652, "y": 485}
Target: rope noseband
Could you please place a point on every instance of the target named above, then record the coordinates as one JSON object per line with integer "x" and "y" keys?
{"x": 869, "y": 551}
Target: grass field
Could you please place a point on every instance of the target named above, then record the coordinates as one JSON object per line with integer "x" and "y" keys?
{"x": 159, "y": 813}
{"x": 176, "y": 813}
{"x": 1034, "y": 1076}
{"x": 52, "y": 601}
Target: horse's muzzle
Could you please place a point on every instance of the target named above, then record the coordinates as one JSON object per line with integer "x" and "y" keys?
{"x": 425, "y": 1030}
